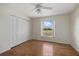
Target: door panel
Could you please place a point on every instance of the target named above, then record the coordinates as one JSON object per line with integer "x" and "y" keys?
{"x": 20, "y": 31}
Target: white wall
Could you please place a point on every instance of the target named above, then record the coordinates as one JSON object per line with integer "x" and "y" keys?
{"x": 75, "y": 29}
{"x": 62, "y": 32}
{"x": 5, "y": 26}
{"x": 63, "y": 29}
{"x": 4, "y": 31}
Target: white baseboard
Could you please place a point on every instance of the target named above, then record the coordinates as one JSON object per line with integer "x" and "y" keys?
{"x": 4, "y": 50}
{"x": 75, "y": 48}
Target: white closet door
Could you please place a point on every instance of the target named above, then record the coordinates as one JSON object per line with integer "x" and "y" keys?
{"x": 21, "y": 30}
{"x": 13, "y": 31}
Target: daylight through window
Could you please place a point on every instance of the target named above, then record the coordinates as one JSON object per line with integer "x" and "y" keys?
{"x": 47, "y": 27}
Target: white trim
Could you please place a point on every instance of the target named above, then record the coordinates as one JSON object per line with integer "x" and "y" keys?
{"x": 4, "y": 50}
{"x": 27, "y": 19}
{"x": 75, "y": 48}
{"x": 54, "y": 27}
{"x": 41, "y": 29}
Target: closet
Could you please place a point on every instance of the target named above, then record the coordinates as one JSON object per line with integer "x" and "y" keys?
{"x": 20, "y": 30}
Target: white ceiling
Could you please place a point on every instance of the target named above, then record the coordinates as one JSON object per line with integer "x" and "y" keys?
{"x": 58, "y": 8}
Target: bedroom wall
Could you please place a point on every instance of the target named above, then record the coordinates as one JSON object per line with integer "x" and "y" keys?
{"x": 75, "y": 29}
{"x": 62, "y": 26}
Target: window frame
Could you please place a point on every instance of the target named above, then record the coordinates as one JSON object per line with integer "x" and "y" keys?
{"x": 53, "y": 35}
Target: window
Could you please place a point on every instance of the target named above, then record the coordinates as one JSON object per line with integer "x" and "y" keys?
{"x": 47, "y": 28}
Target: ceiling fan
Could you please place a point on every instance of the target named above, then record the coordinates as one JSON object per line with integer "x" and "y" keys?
{"x": 39, "y": 7}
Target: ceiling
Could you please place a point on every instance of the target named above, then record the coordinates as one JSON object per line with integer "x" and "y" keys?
{"x": 57, "y": 8}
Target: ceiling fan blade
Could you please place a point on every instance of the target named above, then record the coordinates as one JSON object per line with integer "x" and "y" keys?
{"x": 46, "y": 7}
{"x": 35, "y": 4}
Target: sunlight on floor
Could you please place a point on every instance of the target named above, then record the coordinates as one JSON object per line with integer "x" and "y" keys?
{"x": 47, "y": 50}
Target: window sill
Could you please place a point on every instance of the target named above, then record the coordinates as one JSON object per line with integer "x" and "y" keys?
{"x": 48, "y": 36}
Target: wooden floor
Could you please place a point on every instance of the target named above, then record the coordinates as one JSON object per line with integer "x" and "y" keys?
{"x": 41, "y": 48}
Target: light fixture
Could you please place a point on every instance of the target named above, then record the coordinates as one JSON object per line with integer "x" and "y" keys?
{"x": 39, "y": 6}
{"x": 38, "y": 10}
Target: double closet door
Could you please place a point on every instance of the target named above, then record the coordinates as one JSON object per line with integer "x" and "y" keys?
{"x": 20, "y": 30}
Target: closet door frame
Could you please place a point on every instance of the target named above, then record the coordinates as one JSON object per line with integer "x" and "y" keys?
{"x": 14, "y": 24}
{"x": 12, "y": 31}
